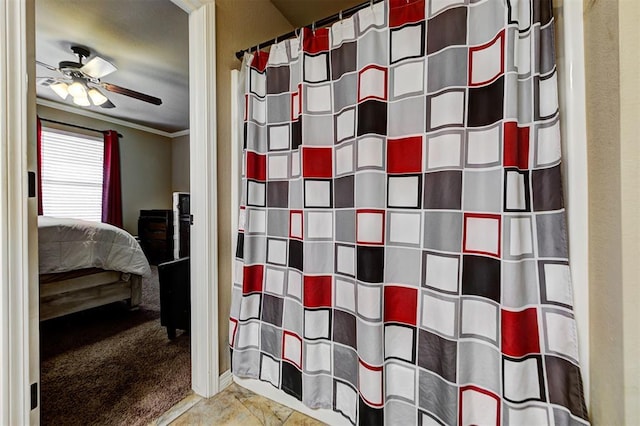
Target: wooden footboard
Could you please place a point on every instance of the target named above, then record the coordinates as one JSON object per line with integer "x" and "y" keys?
{"x": 69, "y": 295}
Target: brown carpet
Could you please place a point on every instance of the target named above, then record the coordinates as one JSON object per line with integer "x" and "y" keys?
{"x": 112, "y": 366}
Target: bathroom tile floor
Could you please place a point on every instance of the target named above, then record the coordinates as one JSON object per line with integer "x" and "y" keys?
{"x": 233, "y": 406}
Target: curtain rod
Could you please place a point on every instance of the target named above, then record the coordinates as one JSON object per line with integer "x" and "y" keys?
{"x": 76, "y": 126}
{"x": 316, "y": 24}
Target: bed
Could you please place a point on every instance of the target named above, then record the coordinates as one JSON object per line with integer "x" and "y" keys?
{"x": 85, "y": 264}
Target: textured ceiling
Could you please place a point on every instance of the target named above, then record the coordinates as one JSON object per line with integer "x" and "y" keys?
{"x": 147, "y": 40}
{"x": 304, "y": 12}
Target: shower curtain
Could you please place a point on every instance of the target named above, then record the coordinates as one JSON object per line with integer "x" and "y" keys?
{"x": 402, "y": 254}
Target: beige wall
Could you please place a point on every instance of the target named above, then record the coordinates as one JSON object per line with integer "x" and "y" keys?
{"x": 144, "y": 160}
{"x": 180, "y": 164}
{"x": 239, "y": 24}
{"x": 613, "y": 110}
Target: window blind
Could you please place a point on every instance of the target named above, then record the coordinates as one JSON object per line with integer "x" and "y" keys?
{"x": 72, "y": 172}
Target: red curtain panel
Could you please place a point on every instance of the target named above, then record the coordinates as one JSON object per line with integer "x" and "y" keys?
{"x": 111, "y": 186}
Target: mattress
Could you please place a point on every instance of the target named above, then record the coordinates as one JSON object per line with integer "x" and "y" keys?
{"x": 72, "y": 244}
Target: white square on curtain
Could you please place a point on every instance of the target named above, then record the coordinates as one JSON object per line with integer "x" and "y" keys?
{"x": 398, "y": 342}
{"x": 372, "y": 83}
{"x": 484, "y": 146}
{"x": 408, "y": 78}
{"x": 242, "y": 218}
{"x": 239, "y": 272}
{"x": 370, "y": 152}
{"x": 549, "y": 95}
{"x": 316, "y": 324}
{"x": 523, "y": 54}
{"x": 277, "y": 251}
{"x": 258, "y": 83}
{"x": 370, "y": 384}
{"x": 515, "y": 191}
{"x": 528, "y": 416}
{"x": 279, "y": 137}
{"x": 317, "y": 357}
{"x": 258, "y": 110}
{"x": 557, "y": 280}
{"x": 295, "y": 163}
{"x": 447, "y": 108}
{"x": 278, "y": 54}
{"x": 520, "y": 238}
{"x": 345, "y": 296}
{"x": 318, "y": 98}
{"x": 369, "y": 299}
{"x": 248, "y": 334}
{"x": 255, "y": 192}
{"x": 317, "y": 193}
{"x": 478, "y": 408}
{"x": 345, "y": 124}
{"x": 482, "y": 234}
{"x": 406, "y": 43}
{"x": 430, "y": 421}
{"x": 521, "y": 11}
{"x": 344, "y": 159}
{"x": 296, "y": 224}
{"x": 400, "y": 381}
{"x": 480, "y": 318}
{"x": 548, "y": 139}
{"x": 345, "y": 260}
{"x": 521, "y": 379}
{"x": 250, "y": 307}
{"x": 346, "y": 401}
{"x": 315, "y": 68}
{"x": 274, "y": 281}
{"x": 319, "y": 225}
{"x": 404, "y": 227}
{"x": 257, "y": 221}
{"x": 294, "y": 285}
{"x": 278, "y": 167}
{"x": 341, "y": 31}
{"x": 486, "y": 62}
{"x": 292, "y": 349}
{"x": 270, "y": 370}
{"x": 444, "y": 150}
{"x": 442, "y": 272}
{"x": 403, "y": 192}
{"x": 439, "y": 315}
{"x": 561, "y": 334}
{"x": 232, "y": 331}
{"x": 370, "y": 227}
{"x": 371, "y": 16}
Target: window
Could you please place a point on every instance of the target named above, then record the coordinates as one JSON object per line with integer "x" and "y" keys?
{"x": 72, "y": 172}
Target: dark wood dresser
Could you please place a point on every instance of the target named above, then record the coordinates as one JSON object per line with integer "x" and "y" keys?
{"x": 155, "y": 231}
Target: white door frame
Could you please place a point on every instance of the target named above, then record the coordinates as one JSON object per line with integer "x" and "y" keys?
{"x": 15, "y": 315}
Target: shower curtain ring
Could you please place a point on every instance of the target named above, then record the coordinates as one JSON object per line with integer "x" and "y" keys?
{"x": 340, "y": 16}
{"x": 371, "y": 3}
{"x": 313, "y": 27}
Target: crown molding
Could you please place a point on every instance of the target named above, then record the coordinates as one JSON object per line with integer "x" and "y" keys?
{"x": 98, "y": 116}
{"x": 190, "y": 5}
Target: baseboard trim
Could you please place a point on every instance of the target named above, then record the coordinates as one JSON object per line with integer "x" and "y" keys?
{"x": 225, "y": 380}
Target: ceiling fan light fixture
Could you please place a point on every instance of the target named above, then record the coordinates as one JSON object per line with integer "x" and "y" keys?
{"x": 97, "y": 97}
{"x": 61, "y": 89}
{"x": 82, "y": 100}
{"x": 77, "y": 89}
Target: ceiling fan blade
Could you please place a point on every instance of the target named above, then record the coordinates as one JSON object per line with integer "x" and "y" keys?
{"x": 132, "y": 93}
{"x": 47, "y": 66}
{"x": 107, "y": 104}
{"x": 98, "y": 67}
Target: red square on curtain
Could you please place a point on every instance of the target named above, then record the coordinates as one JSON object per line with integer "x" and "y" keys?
{"x": 520, "y": 332}
{"x": 256, "y": 166}
{"x": 315, "y": 42}
{"x": 252, "y": 279}
{"x": 317, "y": 291}
{"x": 260, "y": 60}
{"x": 400, "y": 304}
{"x": 516, "y": 146}
{"x": 404, "y": 155}
{"x": 317, "y": 162}
{"x": 404, "y": 12}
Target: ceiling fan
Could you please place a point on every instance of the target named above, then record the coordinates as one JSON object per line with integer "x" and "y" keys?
{"x": 82, "y": 81}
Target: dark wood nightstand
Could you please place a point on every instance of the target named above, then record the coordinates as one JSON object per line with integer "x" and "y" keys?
{"x": 155, "y": 230}
{"x": 175, "y": 295}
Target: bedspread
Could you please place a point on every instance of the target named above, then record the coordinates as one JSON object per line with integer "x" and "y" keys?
{"x": 70, "y": 244}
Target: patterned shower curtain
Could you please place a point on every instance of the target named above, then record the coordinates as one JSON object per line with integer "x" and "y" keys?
{"x": 402, "y": 254}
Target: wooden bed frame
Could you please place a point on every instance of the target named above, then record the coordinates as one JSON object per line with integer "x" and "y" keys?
{"x": 62, "y": 294}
